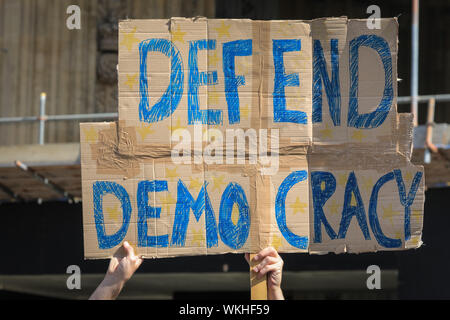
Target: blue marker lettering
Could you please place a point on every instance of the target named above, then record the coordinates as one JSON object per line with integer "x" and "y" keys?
{"x": 145, "y": 211}
{"x": 280, "y": 209}
{"x": 100, "y": 189}
{"x": 332, "y": 88}
{"x": 185, "y": 202}
{"x": 351, "y": 188}
{"x": 232, "y": 235}
{"x": 320, "y": 197}
{"x": 282, "y": 80}
{"x": 407, "y": 201}
{"x": 232, "y": 82}
{"x": 377, "y": 117}
{"x": 196, "y": 79}
{"x": 373, "y": 216}
{"x": 168, "y": 102}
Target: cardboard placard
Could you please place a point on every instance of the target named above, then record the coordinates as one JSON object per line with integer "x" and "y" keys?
{"x": 234, "y": 135}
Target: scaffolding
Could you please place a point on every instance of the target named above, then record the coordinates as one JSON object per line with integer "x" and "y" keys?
{"x": 43, "y": 117}
{"x": 27, "y": 173}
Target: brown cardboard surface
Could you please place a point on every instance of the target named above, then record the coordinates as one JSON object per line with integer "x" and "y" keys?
{"x": 360, "y": 204}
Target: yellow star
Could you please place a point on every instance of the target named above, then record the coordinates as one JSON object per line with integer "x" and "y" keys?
{"x": 414, "y": 241}
{"x": 358, "y": 135}
{"x": 213, "y": 97}
{"x": 218, "y": 182}
{"x": 90, "y": 135}
{"x": 198, "y": 237}
{"x": 367, "y": 184}
{"x": 342, "y": 179}
{"x": 171, "y": 173}
{"x": 167, "y": 201}
{"x": 177, "y": 35}
{"x": 408, "y": 177}
{"x": 353, "y": 200}
{"x": 298, "y": 206}
{"x": 113, "y": 213}
{"x": 213, "y": 59}
{"x": 145, "y": 130}
{"x": 333, "y": 207}
{"x": 276, "y": 242}
{"x": 173, "y": 127}
{"x": 245, "y": 110}
{"x": 129, "y": 39}
{"x": 131, "y": 80}
{"x": 284, "y": 27}
{"x": 235, "y": 214}
{"x": 388, "y": 213}
{"x": 417, "y": 215}
{"x": 327, "y": 132}
{"x": 205, "y": 132}
{"x": 223, "y": 30}
{"x": 195, "y": 184}
{"x": 298, "y": 64}
{"x": 241, "y": 68}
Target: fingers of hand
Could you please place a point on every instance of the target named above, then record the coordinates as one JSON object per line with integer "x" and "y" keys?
{"x": 138, "y": 262}
{"x": 133, "y": 261}
{"x": 128, "y": 249}
{"x": 113, "y": 263}
{"x": 247, "y": 257}
{"x": 267, "y": 261}
{"x": 269, "y": 268}
{"x": 269, "y": 251}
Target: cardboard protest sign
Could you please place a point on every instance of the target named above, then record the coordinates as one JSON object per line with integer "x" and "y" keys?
{"x": 237, "y": 134}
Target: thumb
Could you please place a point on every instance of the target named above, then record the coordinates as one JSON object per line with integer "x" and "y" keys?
{"x": 128, "y": 249}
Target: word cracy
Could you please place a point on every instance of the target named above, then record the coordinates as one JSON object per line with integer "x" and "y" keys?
{"x": 174, "y": 175}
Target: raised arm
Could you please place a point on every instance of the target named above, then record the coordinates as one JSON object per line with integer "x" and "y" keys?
{"x": 121, "y": 267}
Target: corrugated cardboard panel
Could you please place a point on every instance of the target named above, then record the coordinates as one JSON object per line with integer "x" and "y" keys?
{"x": 289, "y": 135}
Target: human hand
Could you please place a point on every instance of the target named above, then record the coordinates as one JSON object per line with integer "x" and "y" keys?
{"x": 270, "y": 263}
{"x": 121, "y": 267}
{"x": 123, "y": 264}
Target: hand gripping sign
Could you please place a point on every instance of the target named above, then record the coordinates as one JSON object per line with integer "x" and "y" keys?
{"x": 237, "y": 134}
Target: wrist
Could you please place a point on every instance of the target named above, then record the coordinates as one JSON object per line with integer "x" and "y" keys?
{"x": 113, "y": 284}
{"x": 113, "y": 279}
{"x": 275, "y": 293}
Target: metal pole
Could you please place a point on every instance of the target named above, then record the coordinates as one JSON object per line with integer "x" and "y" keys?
{"x": 424, "y": 98}
{"x": 415, "y": 60}
{"x": 429, "y": 146}
{"x": 82, "y": 116}
{"x": 44, "y": 180}
{"x": 42, "y": 119}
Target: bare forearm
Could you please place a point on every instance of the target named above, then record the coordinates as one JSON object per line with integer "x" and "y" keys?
{"x": 107, "y": 290}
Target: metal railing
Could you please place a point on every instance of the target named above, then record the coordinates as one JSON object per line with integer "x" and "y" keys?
{"x": 431, "y": 100}
{"x": 43, "y": 117}
{"x": 425, "y": 98}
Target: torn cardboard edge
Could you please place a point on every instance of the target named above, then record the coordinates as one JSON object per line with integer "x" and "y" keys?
{"x": 116, "y": 154}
